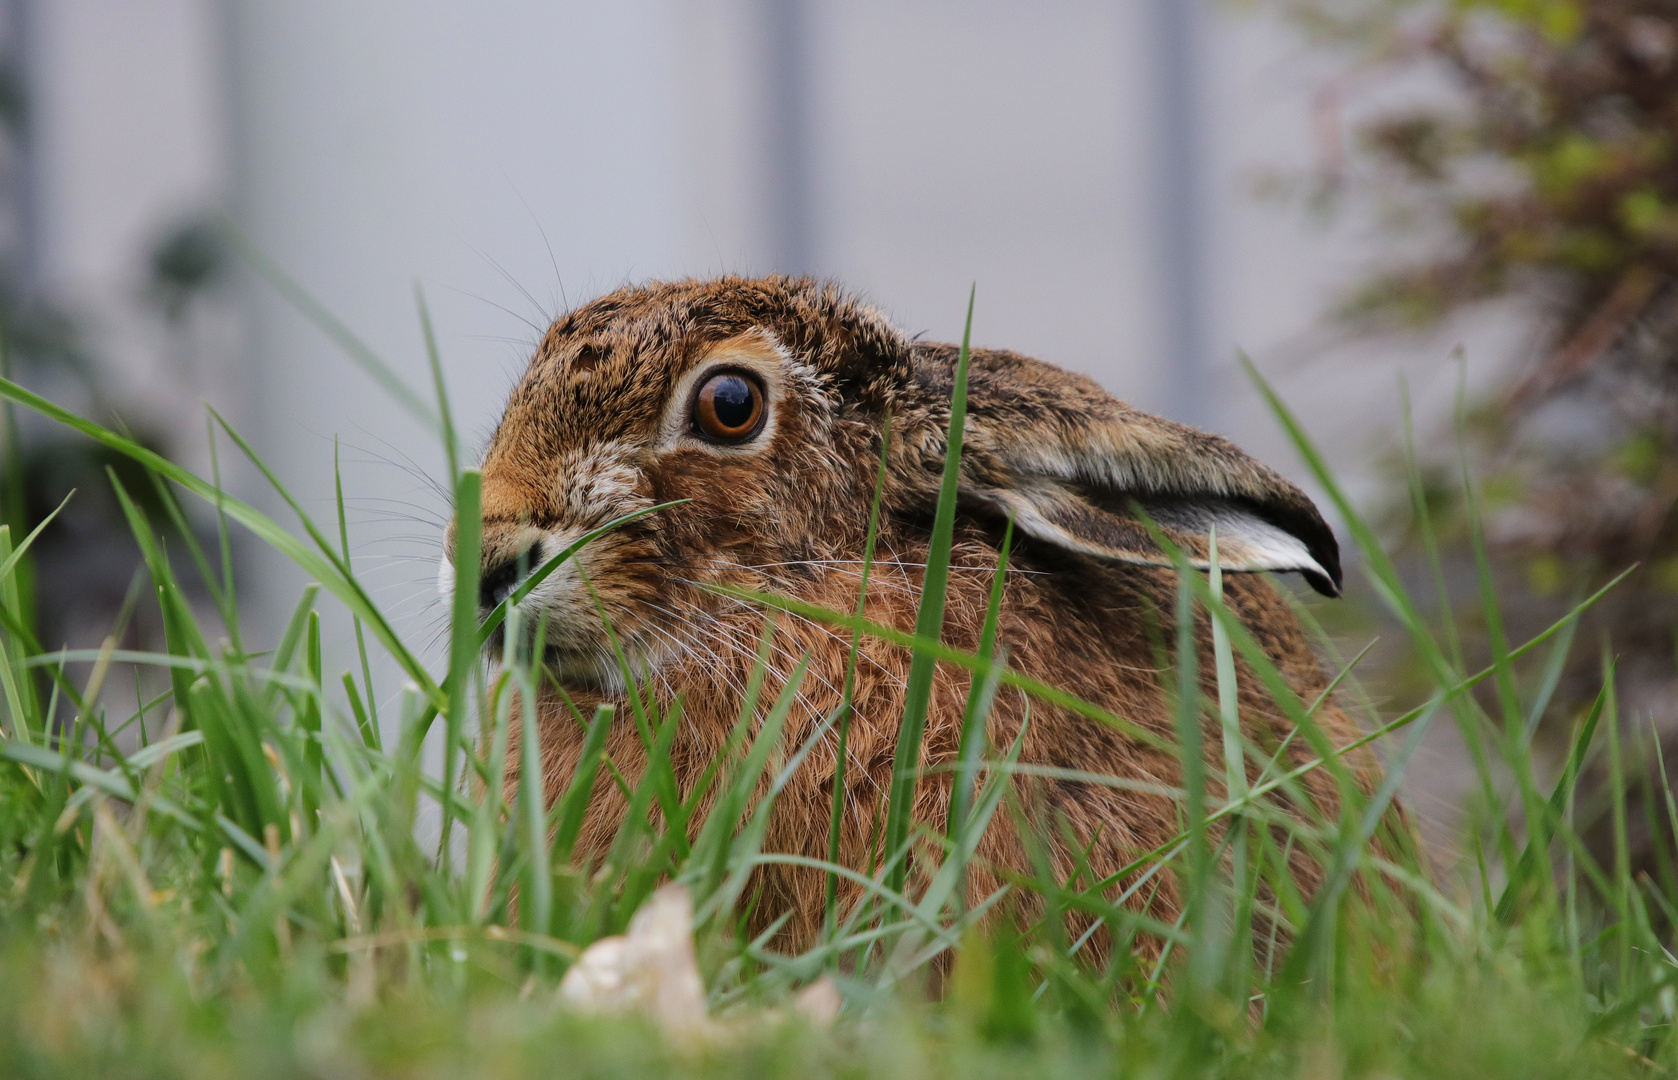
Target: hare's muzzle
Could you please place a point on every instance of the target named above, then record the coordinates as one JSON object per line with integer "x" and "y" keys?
{"x": 508, "y": 556}
{"x": 499, "y": 580}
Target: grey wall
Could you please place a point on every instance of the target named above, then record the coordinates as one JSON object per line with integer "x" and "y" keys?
{"x": 128, "y": 119}
{"x": 518, "y": 156}
{"x": 507, "y": 157}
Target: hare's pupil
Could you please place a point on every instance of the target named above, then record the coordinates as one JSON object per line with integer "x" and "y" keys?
{"x": 729, "y": 408}
{"x": 732, "y": 400}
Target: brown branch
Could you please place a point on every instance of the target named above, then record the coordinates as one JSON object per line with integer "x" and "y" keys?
{"x": 1599, "y": 333}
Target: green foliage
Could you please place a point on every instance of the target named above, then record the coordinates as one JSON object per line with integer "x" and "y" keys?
{"x": 1532, "y": 154}
{"x": 231, "y": 879}
{"x": 1547, "y": 164}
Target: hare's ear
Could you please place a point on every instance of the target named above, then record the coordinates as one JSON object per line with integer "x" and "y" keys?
{"x": 1078, "y": 469}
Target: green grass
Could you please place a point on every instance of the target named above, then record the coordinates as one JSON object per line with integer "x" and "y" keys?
{"x": 230, "y": 881}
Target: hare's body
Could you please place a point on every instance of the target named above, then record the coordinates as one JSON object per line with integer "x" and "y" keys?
{"x": 1097, "y": 651}
{"x": 617, "y": 414}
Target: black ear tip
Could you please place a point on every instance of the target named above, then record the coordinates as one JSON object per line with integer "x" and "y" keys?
{"x": 1326, "y": 585}
{"x": 1326, "y": 550}
{"x": 1319, "y": 540}
{"x": 1308, "y": 527}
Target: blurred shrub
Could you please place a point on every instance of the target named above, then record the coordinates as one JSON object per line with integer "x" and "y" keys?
{"x": 81, "y": 577}
{"x": 1528, "y": 149}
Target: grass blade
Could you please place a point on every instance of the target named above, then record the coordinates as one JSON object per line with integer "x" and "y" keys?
{"x": 929, "y": 622}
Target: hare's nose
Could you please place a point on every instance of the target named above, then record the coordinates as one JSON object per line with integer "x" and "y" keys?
{"x": 497, "y": 582}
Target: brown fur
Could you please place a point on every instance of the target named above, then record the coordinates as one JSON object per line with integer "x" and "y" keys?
{"x": 595, "y": 429}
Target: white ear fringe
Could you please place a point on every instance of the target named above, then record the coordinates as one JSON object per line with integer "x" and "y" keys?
{"x": 1246, "y": 542}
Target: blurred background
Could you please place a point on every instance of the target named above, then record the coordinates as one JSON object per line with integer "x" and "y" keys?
{"x": 1376, "y": 200}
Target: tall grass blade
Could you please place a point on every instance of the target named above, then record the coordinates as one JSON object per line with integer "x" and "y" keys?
{"x": 981, "y": 692}
{"x": 929, "y": 622}
{"x": 463, "y": 629}
{"x": 573, "y": 805}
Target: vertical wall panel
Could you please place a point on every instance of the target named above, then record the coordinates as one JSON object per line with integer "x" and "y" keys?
{"x": 511, "y": 157}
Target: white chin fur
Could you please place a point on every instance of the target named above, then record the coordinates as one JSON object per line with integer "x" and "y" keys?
{"x": 445, "y": 577}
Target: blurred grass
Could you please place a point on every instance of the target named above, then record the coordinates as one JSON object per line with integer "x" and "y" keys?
{"x": 229, "y": 881}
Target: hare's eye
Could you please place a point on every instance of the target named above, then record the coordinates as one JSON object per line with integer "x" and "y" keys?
{"x": 728, "y": 407}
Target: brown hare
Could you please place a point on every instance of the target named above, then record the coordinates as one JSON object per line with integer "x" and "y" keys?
{"x": 762, "y": 403}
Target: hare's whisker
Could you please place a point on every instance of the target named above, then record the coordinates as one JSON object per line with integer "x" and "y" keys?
{"x": 802, "y": 698}
{"x": 407, "y": 464}
{"x": 884, "y": 670}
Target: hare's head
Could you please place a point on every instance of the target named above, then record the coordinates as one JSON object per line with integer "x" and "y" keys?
{"x": 762, "y": 403}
